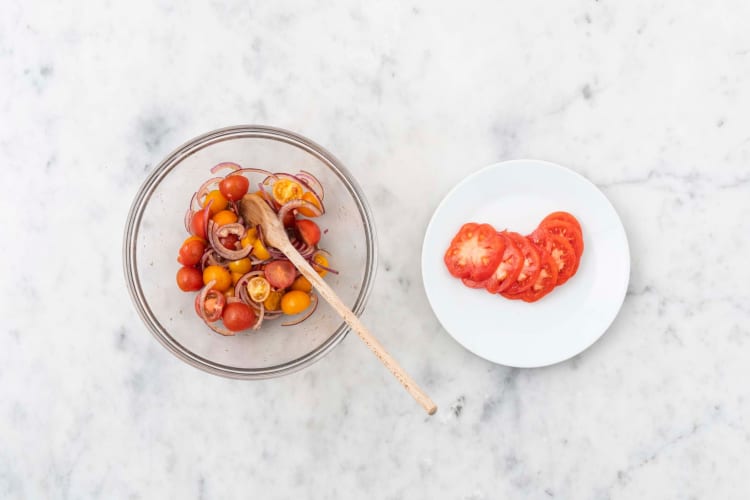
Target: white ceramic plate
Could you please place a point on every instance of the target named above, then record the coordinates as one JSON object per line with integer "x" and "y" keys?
{"x": 517, "y": 195}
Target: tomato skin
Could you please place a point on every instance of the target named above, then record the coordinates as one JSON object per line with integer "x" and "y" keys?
{"x": 224, "y": 217}
{"x": 217, "y": 200}
{"x": 238, "y": 316}
{"x": 509, "y": 268}
{"x": 273, "y": 301}
{"x": 230, "y": 241}
{"x": 563, "y": 216}
{"x": 240, "y": 266}
{"x": 260, "y": 251}
{"x": 530, "y": 268}
{"x": 302, "y": 284}
{"x": 562, "y": 252}
{"x": 214, "y": 305}
{"x": 191, "y": 252}
{"x": 474, "y": 252}
{"x": 218, "y": 274}
{"x": 234, "y": 187}
{"x": 321, "y": 259}
{"x": 567, "y": 230}
{"x": 473, "y": 284}
{"x": 308, "y": 231}
{"x": 280, "y": 273}
{"x": 189, "y": 279}
{"x": 295, "y": 302}
{"x": 199, "y": 222}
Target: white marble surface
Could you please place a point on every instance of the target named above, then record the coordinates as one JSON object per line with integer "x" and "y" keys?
{"x": 648, "y": 99}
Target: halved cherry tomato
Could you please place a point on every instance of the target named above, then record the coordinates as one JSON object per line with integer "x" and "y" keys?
{"x": 213, "y": 305}
{"x": 260, "y": 251}
{"x": 238, "y": 316}
{"x": 308, "y": 231}
{"x": 530, "y": 268}
{"x": 509, "y": 268}
{"x": 218, "y": 274}
{"x": 217, "y": 200}
{"x": 475, "y": 252}
{"x": 285, "y": 190}
{"x": 280, "y": 273}
{"x": 250, "y": 236}
{"x": 302, "y": 284}
{"x": 191, "y": 251}
{"x": 546, "y": 280}
{"x": 321, "y": 259}
{"x": 258, "y": 288}
{"x": 224, "y": 217}
{"x": 561, "y": 250}
{"x": 273, "y": 301}
{"x": 189, "y": 279}
{"x": 230, "y": 241}
{"x": 295, "y": 302}
{"x": 567, "y": 230}
{"x": 563, "y": 216}
{"x": 234, "y": 187}
{"x": 311, "y": 198}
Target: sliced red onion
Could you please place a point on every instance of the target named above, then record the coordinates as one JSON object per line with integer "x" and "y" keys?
{"x": 295, "y": 204}
{"x": 242, "y": 285}
{"x": 303, "y": 248}
{"x": 231, "y": 300}
{"x": 225, "y": 164}
{"x": 261, "y": 313}
{"x": 188, "y": 219}
{"x": 215, "y": 232}
{"x": 203, "y": 190}
{"x": 311, "y": 309}
{"x": 252, "y": 171}
{"x": 194, "y": 205}
{"x": 312, "y": 182}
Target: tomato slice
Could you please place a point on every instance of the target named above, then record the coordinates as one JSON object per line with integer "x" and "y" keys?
{"x": 567, "y": 230}
{"x": 474, "y": 252}
{"x": 530, "y": 268}
{"x": 509, "y": 268}
{"x": 473, "y": 284}
{"x": 546, "y": 279}
{"x": 563, "y": 216}
{"x": 562, "y": 253}
{"x": 213, "y": 305}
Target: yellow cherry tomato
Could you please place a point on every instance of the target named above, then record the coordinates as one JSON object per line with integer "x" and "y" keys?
{"x": 195, "y": 238}
{"x": 311, "y": 198}
{"x": 220, "y": 275}
{"x": 295, "y": 302}
{"x": 229, "y": 293}
{"x": 273, "y": 301}
{"x": 260, "y": 251}
{"x": 323, "y": 261}
{"x": 259, "y": 289}
{"x": 241, "y": 266}
{"x": 224, "y": 217}
{"x": 236, "y": 277}
{"x": 218, "y": 202}
{"x": 285, "y": 190}
{"x": 250, "y": 236}
{"x": 302, "y": 284}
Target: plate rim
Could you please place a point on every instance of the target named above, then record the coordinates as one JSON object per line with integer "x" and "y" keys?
{"x": 569, "y": 171}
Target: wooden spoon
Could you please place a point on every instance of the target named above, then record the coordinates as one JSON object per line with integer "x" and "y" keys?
{"x": 254, "y": 209}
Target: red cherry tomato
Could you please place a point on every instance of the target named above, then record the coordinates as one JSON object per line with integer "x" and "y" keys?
{"x": 280, "y": 273}
{"x": 214, "y": 305}
{"x": 238, "y": 316}
{"x": 199, "y": 222}
{"x": 191, "y": 252}
{"x": 230, "y": 241}
{"x": 234, "y": 187}
{"x": 189, "y": 279}
{"x": 308, "y": 231}
{"x": 475, "y": 252}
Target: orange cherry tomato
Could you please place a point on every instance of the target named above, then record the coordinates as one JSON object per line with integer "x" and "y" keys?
{"x": 220, "y": 275}
{"x": 295, "y": 302}
{"x": 285, "y": 190}
{"x": 217, "y": 200}
{"x": 310, "y": 198}
{"x": 224, "y": 217}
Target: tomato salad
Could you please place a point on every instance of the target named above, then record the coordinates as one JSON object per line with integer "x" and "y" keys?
{"x": 516, "y": 266}
{"x": 239, "y": 278}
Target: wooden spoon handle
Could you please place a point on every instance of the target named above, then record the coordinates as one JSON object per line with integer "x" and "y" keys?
{"x": 353, "y": 321}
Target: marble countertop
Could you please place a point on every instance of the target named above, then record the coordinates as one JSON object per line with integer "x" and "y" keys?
{"x": 649, "y": 100}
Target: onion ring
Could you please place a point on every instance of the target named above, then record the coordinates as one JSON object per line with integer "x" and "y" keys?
{"x": 225, "y": 164}
{"x": 312, "y": 182}
{"x": 295, "y": 204}
{"x": 215, "y": 232}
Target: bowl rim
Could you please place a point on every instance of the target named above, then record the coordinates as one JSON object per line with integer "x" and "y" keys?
{"x": 147, "y": 189}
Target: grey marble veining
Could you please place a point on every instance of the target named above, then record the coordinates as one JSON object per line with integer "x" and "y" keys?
{"x": 649, "y": 100}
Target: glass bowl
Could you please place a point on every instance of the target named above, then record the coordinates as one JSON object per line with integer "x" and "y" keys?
{"x": 155, "y": 231}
